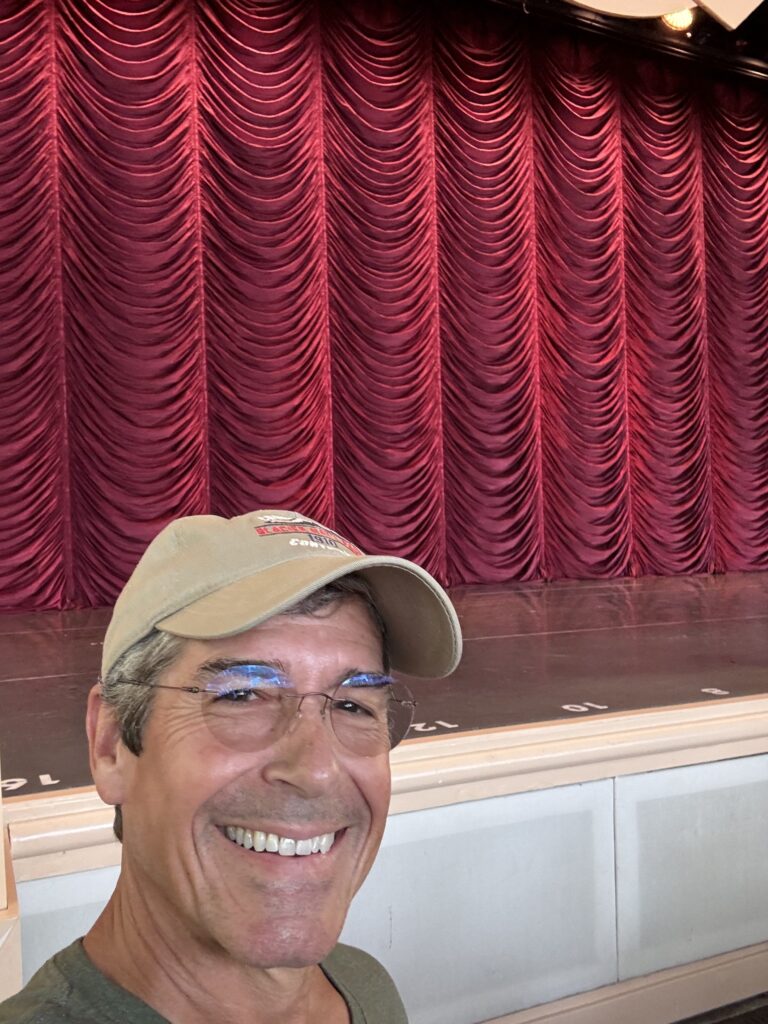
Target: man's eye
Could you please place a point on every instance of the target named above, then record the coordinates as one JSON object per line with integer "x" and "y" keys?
{"x": 233, "y": 694}
{"x": 351, "y": 707}
{"x": 242, "y": 684}
{"x": 236, "y": 695}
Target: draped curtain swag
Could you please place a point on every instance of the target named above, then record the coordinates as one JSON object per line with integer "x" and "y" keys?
{"x": 480, "y": 294}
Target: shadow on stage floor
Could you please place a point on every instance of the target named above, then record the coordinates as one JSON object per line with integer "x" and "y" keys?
{"x": 751, "y": 1011}
{"x": 534, "y": 653}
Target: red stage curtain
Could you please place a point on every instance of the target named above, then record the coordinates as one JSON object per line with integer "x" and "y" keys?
{"x": 481, "y": 294}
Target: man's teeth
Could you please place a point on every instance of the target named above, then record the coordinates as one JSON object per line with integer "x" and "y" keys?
{"x": 269, "y": 842}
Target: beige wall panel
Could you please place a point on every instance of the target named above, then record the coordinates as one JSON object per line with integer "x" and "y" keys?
{"x": 10, "y": 932}
{"x": 10, "y": 957}
{"x": 3, "y": 885}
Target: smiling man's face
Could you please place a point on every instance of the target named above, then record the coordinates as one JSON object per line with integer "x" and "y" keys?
{"x": 187, "y": 789}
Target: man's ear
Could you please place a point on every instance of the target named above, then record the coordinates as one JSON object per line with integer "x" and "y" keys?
{"x": 110, "y": 759}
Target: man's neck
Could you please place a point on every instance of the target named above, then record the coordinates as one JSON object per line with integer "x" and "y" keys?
{"x": 197, "y": 986}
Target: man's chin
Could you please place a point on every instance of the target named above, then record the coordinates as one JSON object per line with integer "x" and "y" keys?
{"x": 288, "y": 943}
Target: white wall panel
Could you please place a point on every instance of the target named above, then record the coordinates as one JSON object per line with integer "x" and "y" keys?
{"x": 482, "y": 908}
{"x": 56, "y": 911}
{"x": 692, "y": 863}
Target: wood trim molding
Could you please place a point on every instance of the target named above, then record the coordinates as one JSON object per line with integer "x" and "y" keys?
{"x": 3, "y": 867}
{"x": 452, "y": 769}
{"x": 10, "y": 932}
{"x": 665, "y": 997}
{"x": 51, "y": 833}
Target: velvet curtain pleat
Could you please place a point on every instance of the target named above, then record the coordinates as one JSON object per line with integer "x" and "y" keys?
{"x": 383, "y": 279}
{"x": 668, "y": 358}
{"x": 735, "y": 151}
{"x": 263, "y": 244}
{"x": 480, "y": 294}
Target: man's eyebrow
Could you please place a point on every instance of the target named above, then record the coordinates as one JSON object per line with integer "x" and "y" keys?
{"x": 210, "y": 668}
{"x": 365, "y": 677}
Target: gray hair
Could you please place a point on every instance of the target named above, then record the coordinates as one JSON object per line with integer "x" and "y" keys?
{"x": 142, "y": 663}
{"x": 145, "y": 662}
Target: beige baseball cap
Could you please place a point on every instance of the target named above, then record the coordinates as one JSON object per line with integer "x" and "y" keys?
{"x": 206, "y": 577}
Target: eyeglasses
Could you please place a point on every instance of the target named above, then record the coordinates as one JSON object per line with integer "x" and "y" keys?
{"x": 250, "y": 706}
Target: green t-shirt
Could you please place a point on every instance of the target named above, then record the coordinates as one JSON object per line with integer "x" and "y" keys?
{"x": 69, "y": 989}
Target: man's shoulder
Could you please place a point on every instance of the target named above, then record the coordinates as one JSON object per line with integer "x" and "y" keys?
{"x": 50, "y": 996}
{"x": 22, "y": 1009}
{"x": 44, "y": 998}
{"x": 353, "y": 960}
{"x": 69, "y": 989}
{"x": 365, "y": 983}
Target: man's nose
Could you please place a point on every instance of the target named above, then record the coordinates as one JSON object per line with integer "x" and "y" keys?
{"x": 305, "y": 756}
{"x": 323, "y": 701}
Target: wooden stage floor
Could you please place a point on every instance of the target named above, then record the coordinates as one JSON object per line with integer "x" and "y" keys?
{"x": 533, "y": 653}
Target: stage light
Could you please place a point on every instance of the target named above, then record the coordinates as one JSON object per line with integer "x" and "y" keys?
{"x": 730, "y": 13}
{"x": 678, "y": 20}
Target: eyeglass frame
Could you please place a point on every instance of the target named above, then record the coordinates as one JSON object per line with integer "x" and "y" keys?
{"x": 328, "y": 698}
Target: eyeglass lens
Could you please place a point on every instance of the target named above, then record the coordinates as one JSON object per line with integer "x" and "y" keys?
{"x": 249, "y": 707}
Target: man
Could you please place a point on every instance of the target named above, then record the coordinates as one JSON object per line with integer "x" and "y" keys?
{"x": 242, "y": 730}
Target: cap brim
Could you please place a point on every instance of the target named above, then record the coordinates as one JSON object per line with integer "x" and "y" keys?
{"x": 423, "y": 630}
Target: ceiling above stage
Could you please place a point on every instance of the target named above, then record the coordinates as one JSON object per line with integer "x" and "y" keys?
{"x": 742, "y": 50}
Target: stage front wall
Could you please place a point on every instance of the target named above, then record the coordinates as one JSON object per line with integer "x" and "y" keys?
{"x": 478, "y": 293}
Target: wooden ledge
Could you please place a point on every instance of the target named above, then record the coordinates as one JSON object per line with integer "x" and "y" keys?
{"x": 57, "y": 833}
{"x": 10, "y": 932}
{"x": 471, "y": 766}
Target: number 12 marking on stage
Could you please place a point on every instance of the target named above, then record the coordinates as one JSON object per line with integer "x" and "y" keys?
{"x": 425, "y": 727}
